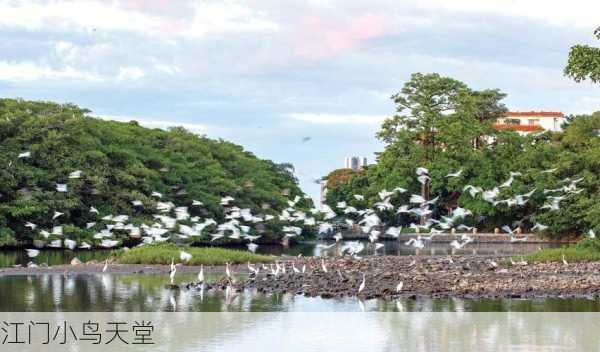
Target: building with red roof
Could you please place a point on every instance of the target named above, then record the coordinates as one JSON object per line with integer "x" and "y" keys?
{"x": 531, "y": 121}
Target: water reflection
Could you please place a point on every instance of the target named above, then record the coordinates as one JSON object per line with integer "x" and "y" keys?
{"x": 147, "y": 293}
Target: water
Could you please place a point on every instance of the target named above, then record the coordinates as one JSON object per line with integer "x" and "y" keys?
{"x": 147, "y": 293}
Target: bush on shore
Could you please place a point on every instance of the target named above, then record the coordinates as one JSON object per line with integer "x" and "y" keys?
{"x": 165, "y": 253}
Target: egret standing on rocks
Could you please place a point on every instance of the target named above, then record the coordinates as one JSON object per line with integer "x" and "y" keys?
{"x": 362, "y": 285}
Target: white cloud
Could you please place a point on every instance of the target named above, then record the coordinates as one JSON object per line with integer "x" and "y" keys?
{"x": 581, "y": 13}
{"x": 130, "y": 73}
{"x": 225, "y": 17}
{"x": 30, "y": 71}
{"x": 354, "y": 119}
{"x": 157, "y": 123}
{"x": 102, "y": 16}
{"x": 83, "y": 14}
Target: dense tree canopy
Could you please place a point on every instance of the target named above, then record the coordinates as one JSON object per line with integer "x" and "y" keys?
{"x": 445, "y": 127}
{"x": 584, "y": 62}
{"x": 119, "y": 163}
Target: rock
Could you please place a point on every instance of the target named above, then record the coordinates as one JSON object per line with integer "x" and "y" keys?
{"x": 75, "y": 261}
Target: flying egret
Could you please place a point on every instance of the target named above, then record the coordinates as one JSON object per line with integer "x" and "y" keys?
{"x": 32, "y": 253}
{"x": 455, "y": 174}
{"x": 184, "y": 256}
{"x": 539, "y": 227}
{"x": 75, "y": 174}
{"x": 24, "y": 155}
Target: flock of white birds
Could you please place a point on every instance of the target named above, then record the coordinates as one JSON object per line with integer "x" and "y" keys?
{"x": 174, "y": 223}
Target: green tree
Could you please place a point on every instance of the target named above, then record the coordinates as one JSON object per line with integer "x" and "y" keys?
{"x": 122, "y": 162}
{"x": 584, "y": 62}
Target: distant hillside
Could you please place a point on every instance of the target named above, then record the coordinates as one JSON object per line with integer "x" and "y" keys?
{"x": 119, "y": 163}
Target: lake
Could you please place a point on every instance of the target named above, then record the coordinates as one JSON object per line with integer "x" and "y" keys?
{"x": 147, "y": 293}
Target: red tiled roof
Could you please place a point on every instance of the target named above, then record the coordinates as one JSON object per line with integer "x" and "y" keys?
{"x": 522, "y": 128}
{"x": 534, "y": 114}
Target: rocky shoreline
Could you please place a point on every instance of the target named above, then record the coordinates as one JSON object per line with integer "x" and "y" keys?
{"x": 418, "y": 276}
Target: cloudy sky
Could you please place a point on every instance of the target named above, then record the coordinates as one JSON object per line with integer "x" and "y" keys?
{"x": 266, "y": 74}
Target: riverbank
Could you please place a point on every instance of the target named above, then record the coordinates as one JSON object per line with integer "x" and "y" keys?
{"x": 433, "y": 277}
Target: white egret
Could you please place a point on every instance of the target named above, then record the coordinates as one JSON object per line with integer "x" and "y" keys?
{"x": 185, "y": 256}
{"x": 455, "y": 174}
{"x": 362, "y": 285}
{"x": 323, "y": 266}
{"x": 32, "y": 253}
{"x": 75, "y": 174}
{"x": 201, "y": 274}
{"x": 172, "y": 274}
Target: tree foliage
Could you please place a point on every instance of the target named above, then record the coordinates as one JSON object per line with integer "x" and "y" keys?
{"x": 444, "y": 126}
{"x": 584, "y": 62}
{"x": 120, "y": 162}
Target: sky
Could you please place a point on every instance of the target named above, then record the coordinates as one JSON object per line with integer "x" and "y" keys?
{"x": 306, "y": 82}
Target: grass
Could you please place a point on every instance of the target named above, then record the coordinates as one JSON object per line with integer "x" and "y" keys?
{"x": 164, "y": 253}
{"x": 572, "y": 255}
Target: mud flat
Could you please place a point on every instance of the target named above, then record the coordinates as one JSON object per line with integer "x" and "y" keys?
{"x": 434, "y": 277}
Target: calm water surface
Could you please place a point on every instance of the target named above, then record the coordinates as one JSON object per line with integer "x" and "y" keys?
{"x": 146, "y": 293}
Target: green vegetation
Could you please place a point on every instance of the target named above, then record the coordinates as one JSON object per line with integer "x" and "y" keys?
{"x": 122, "y": 162}
{"x": 572, "y": 254}
{"x": 444, "y": 126}
{"x": 584, "y": 62}
{"x": 163, "y": 254}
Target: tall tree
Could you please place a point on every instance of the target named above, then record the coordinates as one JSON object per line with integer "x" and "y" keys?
{"x": 584, "y": 62}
